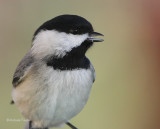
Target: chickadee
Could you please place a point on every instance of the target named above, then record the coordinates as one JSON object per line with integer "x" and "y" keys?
{"x": 52, "y": 82}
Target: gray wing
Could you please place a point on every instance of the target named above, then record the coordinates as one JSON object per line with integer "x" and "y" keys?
{"x": 93, "y": 72}
{"x": 22, "y": 69}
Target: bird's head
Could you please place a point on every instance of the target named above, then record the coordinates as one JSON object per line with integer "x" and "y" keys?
{"x": 62, "y": 35}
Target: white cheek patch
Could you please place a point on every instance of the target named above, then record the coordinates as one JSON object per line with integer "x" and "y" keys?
{"x": 51, "y": 42}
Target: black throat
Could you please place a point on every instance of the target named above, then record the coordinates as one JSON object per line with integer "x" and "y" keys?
{"x": 75, "y": 59}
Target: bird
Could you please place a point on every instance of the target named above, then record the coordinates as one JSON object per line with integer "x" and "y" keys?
{"x": 52, "y": 82}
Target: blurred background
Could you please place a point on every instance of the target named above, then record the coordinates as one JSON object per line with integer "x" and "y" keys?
{"x": 126, "y": 93}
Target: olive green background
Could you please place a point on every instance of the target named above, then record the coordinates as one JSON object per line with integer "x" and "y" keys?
{"x": 125, "y": 94}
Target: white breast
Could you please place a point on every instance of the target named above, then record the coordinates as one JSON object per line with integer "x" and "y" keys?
{"x": 52, "y": 97}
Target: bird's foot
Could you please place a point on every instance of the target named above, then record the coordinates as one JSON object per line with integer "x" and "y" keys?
{"x": 30, "y": 126}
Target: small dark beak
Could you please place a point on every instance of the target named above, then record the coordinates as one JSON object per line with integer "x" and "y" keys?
{"x": 93, "y": 39}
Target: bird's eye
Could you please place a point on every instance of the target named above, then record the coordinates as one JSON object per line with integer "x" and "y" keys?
{"x": 76, "y": 30}
{"x": 73, "y": 31}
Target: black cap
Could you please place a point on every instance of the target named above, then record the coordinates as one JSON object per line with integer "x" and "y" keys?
{"x": 67, "y": 23}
